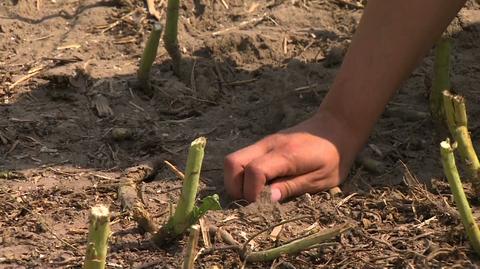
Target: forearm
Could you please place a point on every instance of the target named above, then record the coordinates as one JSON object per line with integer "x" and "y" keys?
{"x": 391, "y": 39}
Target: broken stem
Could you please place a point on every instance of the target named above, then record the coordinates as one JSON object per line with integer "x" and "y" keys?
{"x": 148, "y": 57}
{"x": 189, "y": 258}
{"x": 183, "y": 212}
{"x": 171, "y": 32}
{"x": 298, "y": 244}
{"x": 441, "y": 76}
{"x": 182, "y": 218}
{"x": 456, "y": 115}
{"x": 467, "y": 152}
{"x": 451, "y": 172}
{"x": 449, "y": 111}
{"x": 98, "y": 234}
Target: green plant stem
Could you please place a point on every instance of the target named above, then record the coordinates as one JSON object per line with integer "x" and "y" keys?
{"x": 456, "y": 116}
{"x": 148, "y": 57}
{"x": 170, "y": 38}
{"x": 467, "y": 152}
{"x": 449, "y": 111}
{"x": 441, "y": 77}
{"x": 451, "y": 172}
{"x": 189, "y": 258}
{"x": 298, "y": 244}
{"x": 183, "y": 212}
{"x": 98, "y": 234}
{"x": 460, "y": 110}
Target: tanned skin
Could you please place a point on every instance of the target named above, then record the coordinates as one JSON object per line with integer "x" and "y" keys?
{"x": 315, "y": 155}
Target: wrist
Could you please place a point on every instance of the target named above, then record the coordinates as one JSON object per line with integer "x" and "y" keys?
{"x": 342, "y": 133}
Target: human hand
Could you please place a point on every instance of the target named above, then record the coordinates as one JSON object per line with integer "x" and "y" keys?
{"x": 307, "y": 158}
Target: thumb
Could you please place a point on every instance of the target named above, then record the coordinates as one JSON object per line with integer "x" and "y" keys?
{"x": 312, "y": 182}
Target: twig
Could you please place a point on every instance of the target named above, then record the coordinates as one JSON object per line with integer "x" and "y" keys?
{"x": 189, "y": 258}
{"x": 25, "y": 78}
{"x": 224, "y": 4}
{"x": 136, "y": 106}
{"x": 345, "y": 199}
{"x": 240, "y": 82}
{"x": 205, "y": 233}
{"x": 174, "y": 169}
{"x": 72, "y": 46}
{"x": 299, "y": 244}
{"x": 244, "y": 247}
{"x": 240, "y": 25}
{"x": 226, "y": 237}
{"x": 152, "y": 10}
{"x": 12, "y": 148}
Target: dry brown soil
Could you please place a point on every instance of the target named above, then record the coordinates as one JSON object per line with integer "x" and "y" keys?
{"x": 66, "y": 73}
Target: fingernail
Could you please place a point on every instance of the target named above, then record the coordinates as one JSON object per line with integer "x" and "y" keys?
{"x": 276, "y": 194}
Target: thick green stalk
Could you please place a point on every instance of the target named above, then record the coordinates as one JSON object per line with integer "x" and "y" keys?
{"x": 171, "y": 32}
{"x": 460, "y": 110}
{"x": 451, "y": 172}
{"x": 449, "y": 111}
{"x": 456, "y": 116}
{"x": 467, "y": 152}
{"x": 189, "y": 258}
{"x": 183, "y": 213}
{"x": 148, "y": 57}
{"x": 299, "y": 244}
{"x": 441, "y": 76}
{"x": 98, "y": 234}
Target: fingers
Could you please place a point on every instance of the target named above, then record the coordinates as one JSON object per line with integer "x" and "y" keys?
{"x": 311, "y": 182}
{"x": 235, "y": 163}
{"x": 265, "y": 168}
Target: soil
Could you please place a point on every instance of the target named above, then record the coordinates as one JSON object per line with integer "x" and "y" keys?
{"x": 71, "y": 122}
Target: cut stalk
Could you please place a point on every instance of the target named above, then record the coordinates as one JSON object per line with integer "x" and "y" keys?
{"x": 189, "y": 258}
{"x": 183, "y": 212}
{"x": 451, "y": 172}
{"x": 183, "y": 215}
{"x": 456, "y": 116}
{"x": 171, "y": 32}
{"x": 148, "y": 57}
{"x": 467, "y": 152}
{"x": 441, "y": 77}
{"x": 449, "y": 111}
{"x": 98, "y": 234}
{"x": 299, "y": 244}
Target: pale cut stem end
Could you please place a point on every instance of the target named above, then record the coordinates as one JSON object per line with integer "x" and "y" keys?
{"x": 99, "y": 232}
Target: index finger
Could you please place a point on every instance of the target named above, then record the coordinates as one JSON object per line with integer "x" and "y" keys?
{"x": 235, "y": 163}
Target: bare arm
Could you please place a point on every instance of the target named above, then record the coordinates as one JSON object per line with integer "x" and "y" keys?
{"x": 392, "y": 37}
